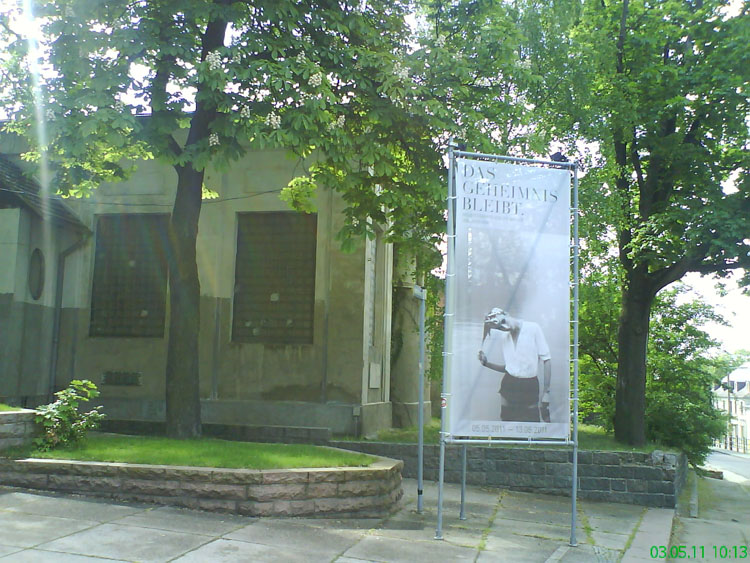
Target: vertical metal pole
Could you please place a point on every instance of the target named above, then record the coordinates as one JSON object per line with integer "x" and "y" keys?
{"x": 448, "y": 329}
{"x": 576, "y": 249}
{"x": 421, "y": 295}
{"x": 441, "y": 473}
{"x": 462, "y": 514}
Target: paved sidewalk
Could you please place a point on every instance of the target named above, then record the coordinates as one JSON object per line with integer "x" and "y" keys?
{"x": 500, "y": 526}
{"x": 721, "y": 530}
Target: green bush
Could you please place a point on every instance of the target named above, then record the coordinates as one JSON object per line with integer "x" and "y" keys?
{"x": 62, "y": 423}
{"x": 681, "y": 368}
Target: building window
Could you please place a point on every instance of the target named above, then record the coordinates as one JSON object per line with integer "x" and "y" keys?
{"x": 274, "y": 285}
{"x": 128, "y": 298}
{"x": 36, "y": 274}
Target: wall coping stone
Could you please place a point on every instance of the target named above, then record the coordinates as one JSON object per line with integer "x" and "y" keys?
{"x": 17, "y": 428}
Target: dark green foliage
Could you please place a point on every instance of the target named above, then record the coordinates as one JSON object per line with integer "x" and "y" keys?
{"x": 680, "y": 372}
{"x": 658, "y": 89}
{"x": 599, "y": 308}
{"x": 681, "y": 377}
{"x": 62, "y": 422}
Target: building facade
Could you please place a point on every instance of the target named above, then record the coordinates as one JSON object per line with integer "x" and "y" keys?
{"x": 293, "y": 331}
{"x": 732, "y": 396}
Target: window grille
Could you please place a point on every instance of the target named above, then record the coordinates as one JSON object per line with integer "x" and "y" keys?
{"x": 274, "y": 293}
{"x": 128, "y": 297}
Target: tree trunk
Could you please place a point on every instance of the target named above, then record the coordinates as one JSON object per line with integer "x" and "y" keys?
{"x": 630, "y": 397}
{"x": 182, "y": 386}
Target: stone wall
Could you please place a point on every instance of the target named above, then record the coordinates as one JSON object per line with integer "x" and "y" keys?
{"x": 626, "y": 477}
{"x": 369, "y": 490}
{"x": 16, "y": 428}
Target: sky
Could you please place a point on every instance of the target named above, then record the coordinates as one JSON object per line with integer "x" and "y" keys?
{"x": 734, "y": 307}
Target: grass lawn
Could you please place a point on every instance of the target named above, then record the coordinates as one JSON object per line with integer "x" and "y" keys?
{"x": 205, "y": 452}
{"x": 7, "y": 408}
{"x": 589, "y": 438}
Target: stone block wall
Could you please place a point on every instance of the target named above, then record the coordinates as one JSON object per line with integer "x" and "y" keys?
{"x": 17, "y": 428}
{"x": 626, "y": 477}
{"x": 360, "y": 491}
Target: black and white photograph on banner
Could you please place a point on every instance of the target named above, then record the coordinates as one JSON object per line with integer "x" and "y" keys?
{"x": 509, "y": 375}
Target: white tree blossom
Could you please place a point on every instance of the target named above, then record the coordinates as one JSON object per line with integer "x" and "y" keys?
{"x": 273, "y": 121}
{"x": 214, "y": 60}
{"x": 400, "y": 71}
{"x": 316, "y": 79}
{"x": 338, "y": 124}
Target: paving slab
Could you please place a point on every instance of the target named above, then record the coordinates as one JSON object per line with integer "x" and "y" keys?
{"x": 724, "y": 500}
{"x": 451, "y": 493}
{"x": 28, "y": 530}
{"x": 8, "y": 549}
{"x": 186, "y": 521}
{"x": 234, "y": 551}
{"x": 393, "y": 550}
{"x": 588, "y": 554}
{"x": 549, "y": 504}
{"x": 429, "y": 519}
{"x": 415, "y": 531}
{"x": 721, "y": 532}
{"x": 521, "y": 498}
{"x": 281, "y": 533}
{"x": 713, "y": 538}
{"x": 127, "y": 542}
{"x": 534, "y": 514}
{"x": 86, "y": 509}
{"x": 12, "y": 499}
{"x": 610, "y": 540}
{"x": 518, "y": 549}
{"x": 503, "y": 527}
{"x": 363, "y": 524}
{"x": 655, "y": 529}
{"x": 40, "y": 556}
{"x": 613, "y": 525}
{"x": 604, "y": 509}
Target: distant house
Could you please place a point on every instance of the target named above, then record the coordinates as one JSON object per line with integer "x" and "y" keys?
{"x": 294, "y": 332}
{"x": 733, "y": 397}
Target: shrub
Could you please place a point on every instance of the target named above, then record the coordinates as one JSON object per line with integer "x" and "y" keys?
{"x": 62, "y": 423}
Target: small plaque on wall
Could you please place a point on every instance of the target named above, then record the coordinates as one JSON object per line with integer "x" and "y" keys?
{"x": 121, "y": 378}
{"x": 375, "y": 375}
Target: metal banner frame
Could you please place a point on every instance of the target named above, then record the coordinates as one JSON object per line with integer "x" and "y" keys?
{"x": 450, "y": 308}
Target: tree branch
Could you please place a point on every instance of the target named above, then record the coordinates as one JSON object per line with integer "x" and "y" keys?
{"x": 721, "y": 266}
{"x": 624, "y": 234}
{"x": 621, "y": 38}
{"x": 637, "y": 162}
{"x": 159, "y": 96}
{"x": 662, "y": 278}
{"x": 659, "y": 186}
{"x": 212, "y": 39}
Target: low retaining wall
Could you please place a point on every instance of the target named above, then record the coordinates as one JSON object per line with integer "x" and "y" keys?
{"x": 16, "y": 428}
{"x": 369, "y": 490}
{"x": 626, "y": 477}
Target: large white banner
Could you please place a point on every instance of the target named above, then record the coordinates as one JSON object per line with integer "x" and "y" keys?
{"x": 509, "y": 373}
